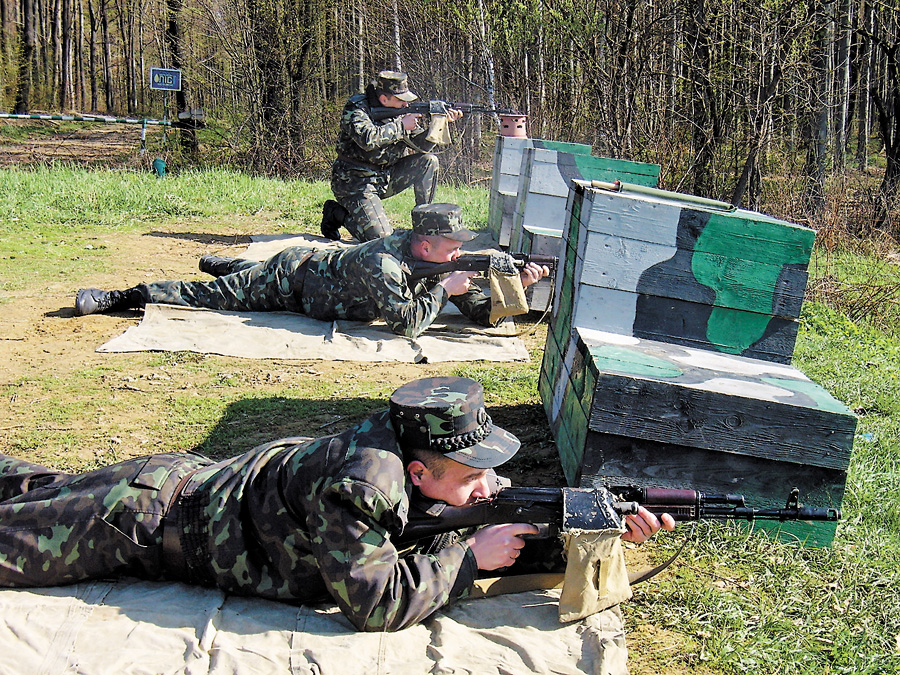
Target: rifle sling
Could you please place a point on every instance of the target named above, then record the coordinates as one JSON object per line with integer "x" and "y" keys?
{"x": 519, "y": 583}
{"x": 516, "y": 583}
{"x": 635, "y": 578}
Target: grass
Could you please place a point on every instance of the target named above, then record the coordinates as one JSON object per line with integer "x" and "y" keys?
{"x": 735, "y": 602}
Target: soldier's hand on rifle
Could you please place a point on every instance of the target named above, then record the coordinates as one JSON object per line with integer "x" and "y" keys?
{"x": 411, "y": 121}
{"x": 532, "y": 273}
{"x": 498, "y": 546}
{"x": 453, "y": 114}
{"x": 644, "y": 525}
{"x": 457, "y": 283}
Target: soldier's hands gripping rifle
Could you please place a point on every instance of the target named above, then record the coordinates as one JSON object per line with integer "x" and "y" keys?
{"x": 482, "y": 262}
{"x": 556, "y": 510}
{"x": 435, "y": 107}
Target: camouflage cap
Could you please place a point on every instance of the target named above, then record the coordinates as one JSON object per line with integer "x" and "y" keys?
{"x": 394, "y": 83}
{"x": 447, "y": 414}
{"x": 443, "y": 220}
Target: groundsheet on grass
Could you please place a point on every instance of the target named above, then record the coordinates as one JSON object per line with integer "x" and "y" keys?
{"x": 131, "y": 626}
{"x": 282, "y": 335}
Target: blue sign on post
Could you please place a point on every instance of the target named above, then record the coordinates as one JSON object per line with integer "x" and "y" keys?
{"x": 165, "y": 78}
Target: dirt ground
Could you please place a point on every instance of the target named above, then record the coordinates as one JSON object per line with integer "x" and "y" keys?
{"x": 39, "y": 334}
{"x": 97, "y": 144}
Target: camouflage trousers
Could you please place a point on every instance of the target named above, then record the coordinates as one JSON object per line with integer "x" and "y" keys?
{"x": 58, "y": 528}
{"x": 360, "y": 191}
{"x": 275, "y": 285}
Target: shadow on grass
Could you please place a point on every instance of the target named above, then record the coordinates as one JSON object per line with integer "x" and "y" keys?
{"x": 203, "y": 237}
{"x": 253, "y": 421}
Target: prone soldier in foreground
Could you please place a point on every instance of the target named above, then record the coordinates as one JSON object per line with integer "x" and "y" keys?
{"x": 359, "y": 283}
{"x": 295, "y": 520}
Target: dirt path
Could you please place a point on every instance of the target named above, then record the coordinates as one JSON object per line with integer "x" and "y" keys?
{"x": 93, "y": 144}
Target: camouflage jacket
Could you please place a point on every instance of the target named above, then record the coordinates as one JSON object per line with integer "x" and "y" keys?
{"x": 300, "y": 522}
{"x": 369, "y": 281}
{"x": 382, "y": 144}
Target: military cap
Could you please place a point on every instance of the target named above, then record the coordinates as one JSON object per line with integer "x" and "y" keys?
{"x": 447, "y": 414}
{"x": 394, "y": 83}
{"x": 443, "y": 220}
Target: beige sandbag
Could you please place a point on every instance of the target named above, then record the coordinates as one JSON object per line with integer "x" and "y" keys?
{"x": 596, "y": 577}
{"x": 507, "y": 295}
{"x": 439, "y": 130}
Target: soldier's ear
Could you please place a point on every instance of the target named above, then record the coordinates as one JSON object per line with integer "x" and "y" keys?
{"x": 416, "y": 471}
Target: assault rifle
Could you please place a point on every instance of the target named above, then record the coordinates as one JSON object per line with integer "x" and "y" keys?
{"x": 481, "y": 262}
{"x": 556, "y": 510}
{"x": 379, "y": 113}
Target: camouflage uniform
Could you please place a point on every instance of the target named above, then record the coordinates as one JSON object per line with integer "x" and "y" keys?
{"x": 361, "y": 283}
{"x": 290, "y": 521}
{"x": 376, "y": 160}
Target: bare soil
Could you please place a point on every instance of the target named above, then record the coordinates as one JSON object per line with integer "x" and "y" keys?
{"x": 93, "y": 144}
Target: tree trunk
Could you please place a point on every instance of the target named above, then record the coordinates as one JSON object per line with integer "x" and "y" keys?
{"x": 27, "y": 40}
{"x": 817, "y": 120}
{"x": 863, "y": 99}
{"x": 188, "y": 135}
{"x": 109, "y": 84}
{"x": 398, "y": 64}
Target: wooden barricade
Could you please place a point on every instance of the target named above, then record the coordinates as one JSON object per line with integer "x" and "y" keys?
{"x": 668, "y": 355}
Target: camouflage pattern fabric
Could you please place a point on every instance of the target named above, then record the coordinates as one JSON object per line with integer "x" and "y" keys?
{"x": 288, "y": 521}
{"x": 56, "y": 528}
{"x": 361, "y": 283}
{"x": 255, "y": 287}
{"x": 374, "y": 163}
{"x": 441, "y": 220}
{"x": 447, "y": 414}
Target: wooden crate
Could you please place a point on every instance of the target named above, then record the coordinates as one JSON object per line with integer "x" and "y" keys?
{"x": 545, "y": 177}
{"x": 667, "y": 357}
{"x": 506, "y": 176}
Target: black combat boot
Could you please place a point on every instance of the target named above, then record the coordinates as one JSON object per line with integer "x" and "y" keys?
{"x": 93, "y": 300}
{"x": 218, "y": 266}
{"x": 333, "y": 215}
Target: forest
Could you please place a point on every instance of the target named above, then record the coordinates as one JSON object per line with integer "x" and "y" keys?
{"x": 788, "y": 106}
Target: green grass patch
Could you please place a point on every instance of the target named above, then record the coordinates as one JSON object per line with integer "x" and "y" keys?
{"x": 735, "y": 603}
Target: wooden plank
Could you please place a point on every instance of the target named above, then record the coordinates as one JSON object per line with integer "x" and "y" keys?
{"x": 654, "y": 269}
{"x": 544, "y": 174}
{"x": 719, "y": 329}
{"x": 610, "y": 459}
{"x": 579, "y": 167}
{"x": 758, "y": 237}
{"x": 611, "y": 353}
{"x": 694, "y": 417}
{"x": 729, "y": 331}
{"x": 538, "y": 210}
{"x": 638, "y": 173}
{"x": 508, "y": 182}
{"x": 562, "y": 146}
{"x": 640, "y": 219}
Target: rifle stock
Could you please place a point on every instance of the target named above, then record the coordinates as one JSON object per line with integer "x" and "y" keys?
{"x": 478, "y": 262}
{"x": 572, "y": 509}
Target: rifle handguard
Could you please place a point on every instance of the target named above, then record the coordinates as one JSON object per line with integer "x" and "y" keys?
{"x": 480, "y": 262}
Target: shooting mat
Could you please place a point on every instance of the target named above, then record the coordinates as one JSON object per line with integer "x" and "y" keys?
{"x": 131, "y": 626}
{"x": 282, "y": 335}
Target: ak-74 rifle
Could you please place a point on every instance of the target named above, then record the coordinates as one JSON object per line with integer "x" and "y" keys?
{"x": 379, "y": 113}
{"x": 481, "y": 262}
{"x": 556, "y": 510}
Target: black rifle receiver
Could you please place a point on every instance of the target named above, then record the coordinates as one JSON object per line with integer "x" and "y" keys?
{"x": 480, "y": 262}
